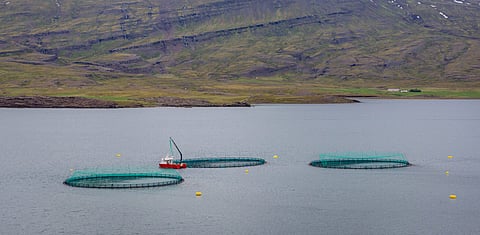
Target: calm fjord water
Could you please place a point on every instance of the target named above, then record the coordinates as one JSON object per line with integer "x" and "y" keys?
{"x": 38, "y": 147}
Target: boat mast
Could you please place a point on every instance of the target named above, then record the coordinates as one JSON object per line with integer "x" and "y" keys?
{"x": 171, "y": 141}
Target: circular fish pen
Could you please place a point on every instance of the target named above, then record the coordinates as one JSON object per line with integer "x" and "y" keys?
{"x": 123, "y": 178}
{"x": 225, "y": 162}
{"x": 361, "y": 160}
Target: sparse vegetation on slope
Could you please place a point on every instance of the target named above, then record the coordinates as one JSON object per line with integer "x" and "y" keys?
{"x": 133, "y": 52}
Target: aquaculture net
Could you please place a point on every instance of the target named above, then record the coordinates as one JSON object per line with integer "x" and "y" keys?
{"x": 219, "y": 162}
{"x": 128, "y": 177}
{"x": 361, "y": 160}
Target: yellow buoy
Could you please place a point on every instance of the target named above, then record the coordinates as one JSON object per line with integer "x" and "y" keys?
{"x": 453, "y": 196}
{"x": 246, "y": 171}
{"x": 450, "y": 156}
{"x": 275, "y": 156}
{"x": 198, "y": 194}
{"x": 118, "y": 155}
{"x": 446, "y": 172}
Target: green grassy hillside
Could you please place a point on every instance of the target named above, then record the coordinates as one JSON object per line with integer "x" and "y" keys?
{"x": 239, "y": 50}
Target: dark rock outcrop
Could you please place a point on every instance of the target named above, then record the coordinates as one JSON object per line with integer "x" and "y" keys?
{"x": 54, "y": 102}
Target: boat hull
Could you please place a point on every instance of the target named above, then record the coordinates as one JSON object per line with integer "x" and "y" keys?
{"x": 173, "y": 166}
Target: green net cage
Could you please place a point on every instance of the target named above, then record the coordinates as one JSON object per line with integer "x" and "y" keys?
{"x": 361, "y": 160}
{"x": 129, "y": 177}
{"x": 225, "y": 162}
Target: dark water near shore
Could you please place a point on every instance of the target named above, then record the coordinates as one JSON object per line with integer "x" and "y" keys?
{"x": 38, "y": 147}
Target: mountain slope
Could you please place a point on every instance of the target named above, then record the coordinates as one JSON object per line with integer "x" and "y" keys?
{"x": 129, "y": 45}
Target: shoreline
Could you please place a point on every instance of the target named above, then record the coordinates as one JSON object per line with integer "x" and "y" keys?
{"x": 53, "y": 102}
{"x": 89, "y": 103}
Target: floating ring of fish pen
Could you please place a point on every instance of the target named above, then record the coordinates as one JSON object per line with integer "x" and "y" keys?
{"x": 100, "y": 178}
{"x": 355, "y": 160}
{"x": 224, "y": 162}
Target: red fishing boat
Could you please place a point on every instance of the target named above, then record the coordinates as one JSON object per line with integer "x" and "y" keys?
{"x": 167, "y": 161}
